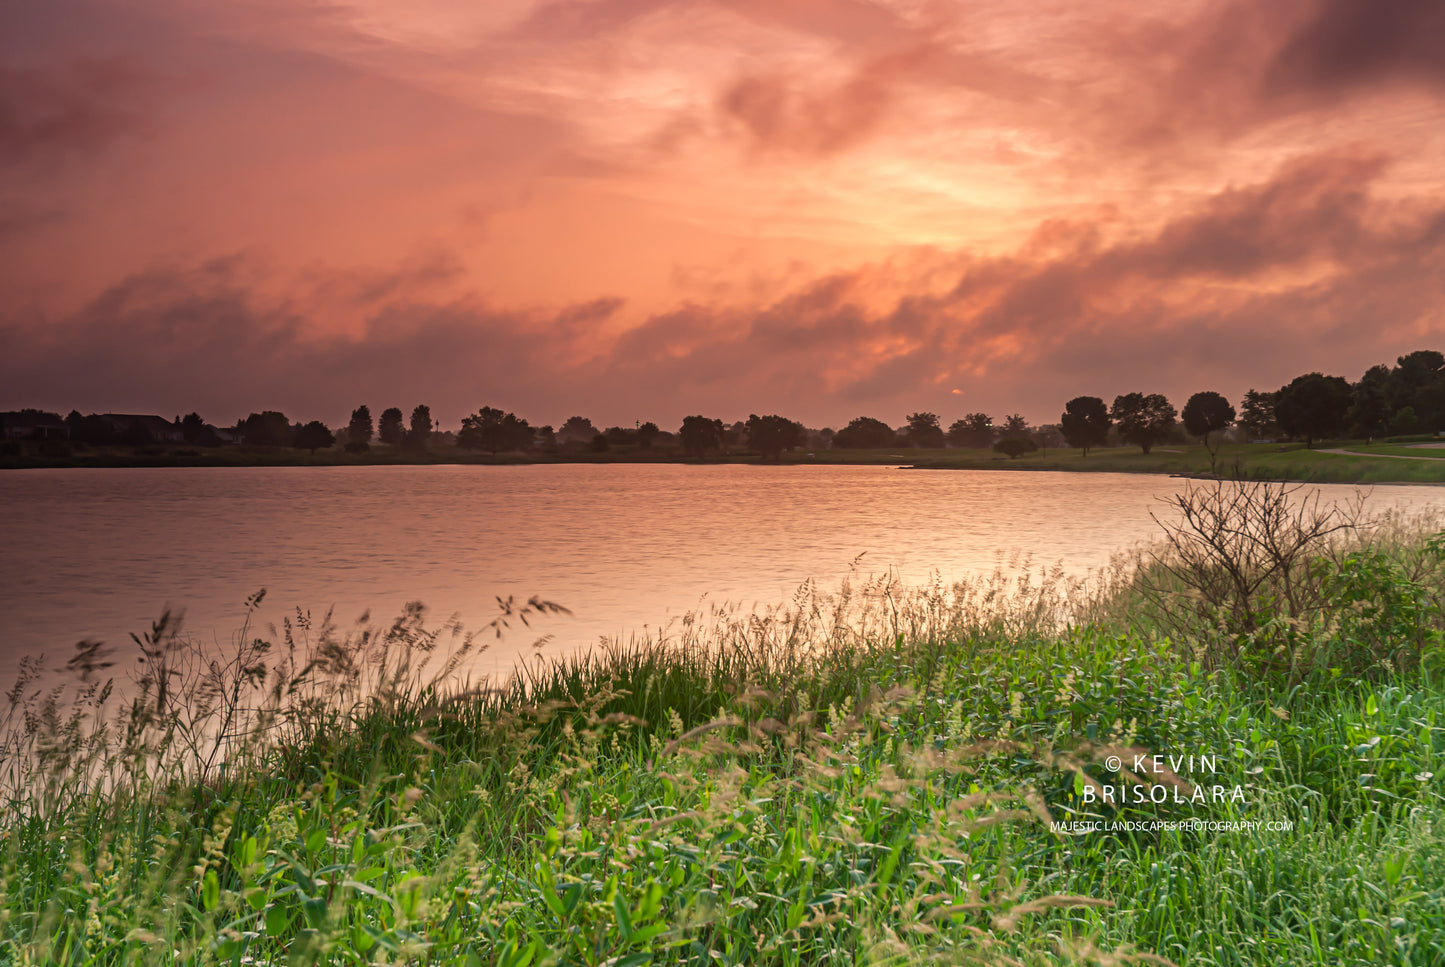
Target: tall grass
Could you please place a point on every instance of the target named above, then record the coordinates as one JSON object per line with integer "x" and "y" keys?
{"x": 871, "y": 775}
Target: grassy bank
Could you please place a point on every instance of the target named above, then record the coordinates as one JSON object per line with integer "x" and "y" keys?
{"x": 1366, "y": 463}
{"x": 877, "y": 775}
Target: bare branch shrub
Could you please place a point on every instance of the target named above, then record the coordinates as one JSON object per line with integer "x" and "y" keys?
{"x": 1263, "y": 571}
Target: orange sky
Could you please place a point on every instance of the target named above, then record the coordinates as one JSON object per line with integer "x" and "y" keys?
{"x": 636, "y": 209}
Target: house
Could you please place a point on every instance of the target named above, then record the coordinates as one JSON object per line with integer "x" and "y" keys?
{"x": 156, "y": 428}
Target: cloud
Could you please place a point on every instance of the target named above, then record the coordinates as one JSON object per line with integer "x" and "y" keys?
{"x": 784, "y": 111}
{"x": 1346, "y": 44}
{"x": 53, "y": 115}
{"x": 1304, "y": 270}
{"x": 637, "y": 209}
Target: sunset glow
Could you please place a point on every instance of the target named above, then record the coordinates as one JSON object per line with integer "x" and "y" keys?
{"x": 635, "y": 209}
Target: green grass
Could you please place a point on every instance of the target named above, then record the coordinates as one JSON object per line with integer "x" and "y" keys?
{"x": 1249, "y": 460}
{"x": 867, "y": 776}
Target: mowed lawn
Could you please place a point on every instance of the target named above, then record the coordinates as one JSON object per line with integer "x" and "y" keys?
{"x": 1374, "y": 463}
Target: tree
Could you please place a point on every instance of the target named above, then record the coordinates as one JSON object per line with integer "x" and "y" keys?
{"x": 924, "y": 431}
{"x": 548, "y": 437}
{"x": 1207, "y": 413}
{"x": 1015, "y": 446}
{"x": 1014, "y": 425}
{"x": 94, "y": 429}
{"x": 421, "y": 426}
{"x": 389, "y": 431}
{"x": 865, "y": 433}
{"x": 577, "y": 429}
{"x": 494, "y": 431}
{"x": 771, "y": 435}
{"x": 1411, "y": 374}
{"x": 1085, "y": 422}
{"x": 1313, "y": 406}
{"x": 359, "y": 430}
{"x": 974, "y": 430}
{"x": 1142, "y": 420}
{"x": 699, "y": 435}
{"x": 198, "y": 432}
{"x": 619, "y": 436}
{"x": 1256, "y": 415}
{"x": 600, "y": 444}
{"x": 1369, "y": 412}
{"x": 313, "y": 436}
{"x": 266, "y": 429}
{"x": 647, "y": 435}
{"x": 1418, "y": 381}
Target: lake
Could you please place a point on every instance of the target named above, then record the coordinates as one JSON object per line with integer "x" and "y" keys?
{"x": 99, "y": 553}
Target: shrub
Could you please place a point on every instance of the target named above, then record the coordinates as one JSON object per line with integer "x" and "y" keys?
{"x": 1015, "y": 447}
{"x": 1267, "y": 575}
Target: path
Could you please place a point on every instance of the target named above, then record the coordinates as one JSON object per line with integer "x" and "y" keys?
{"x": 1383, "y": 456}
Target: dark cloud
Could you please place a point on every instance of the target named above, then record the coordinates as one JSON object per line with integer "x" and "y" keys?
{"x": 75, "y": 111}
{"x": 1356, "y": 43}
{"x": 1179, "y": 95}
{"x": 781, "y": 111}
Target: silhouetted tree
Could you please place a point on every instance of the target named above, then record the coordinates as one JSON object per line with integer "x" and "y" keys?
{"x": 94, "y": 429}
{"x": 698, "y": 435}
{"x": 1404, "y": 420}
{"x": 1085, "y": 422}
{"x": 1369, "y": 412}
{"x": 1142, "y": 420}
{"x": 1412, "y": 372}
{"x": 494, "y": 431}
{"x": 600, "y": 444}
{"x": 198, "y": 432}
{"x": 771, "y": 435}
{"x": 620, "y": 436}
{"x": 923, "y": 431}
{"x": 865, "y": 433}
{"x": 389, "y": 430}
{"x": 647, "y": 435}
{"x": 1014, "y": 425}
{"x": 313, "y": 436}
{"x": 421, "y": 426}
{"x": 547, "y": 437}
{"x": 1313, "y": 406}
{"x": 577, "y": 429}
{"x": 266, "y": 429}
{"x": 1418, "y": 381}
{"x": 1207, "y": 413}
{"x": 1015, "y": 446}
{"x": 1256, "y": 415}
{"x": 974, "y": 430}
{"x": 359, "y": 430}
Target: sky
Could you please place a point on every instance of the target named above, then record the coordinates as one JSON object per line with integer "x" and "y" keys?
{"x": 640, "y": 210}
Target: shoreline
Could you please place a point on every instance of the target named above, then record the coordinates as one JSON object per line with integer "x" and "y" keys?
{"x": 1254, "y": 461}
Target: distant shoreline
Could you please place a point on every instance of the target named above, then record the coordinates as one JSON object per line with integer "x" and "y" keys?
{"x": 1364, "y": 463}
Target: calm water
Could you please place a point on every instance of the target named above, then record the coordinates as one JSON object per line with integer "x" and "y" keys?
{"x": 98, "y": 553}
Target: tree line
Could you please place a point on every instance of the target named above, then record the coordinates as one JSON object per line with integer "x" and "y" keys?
{"x": 1408, "y": 398}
